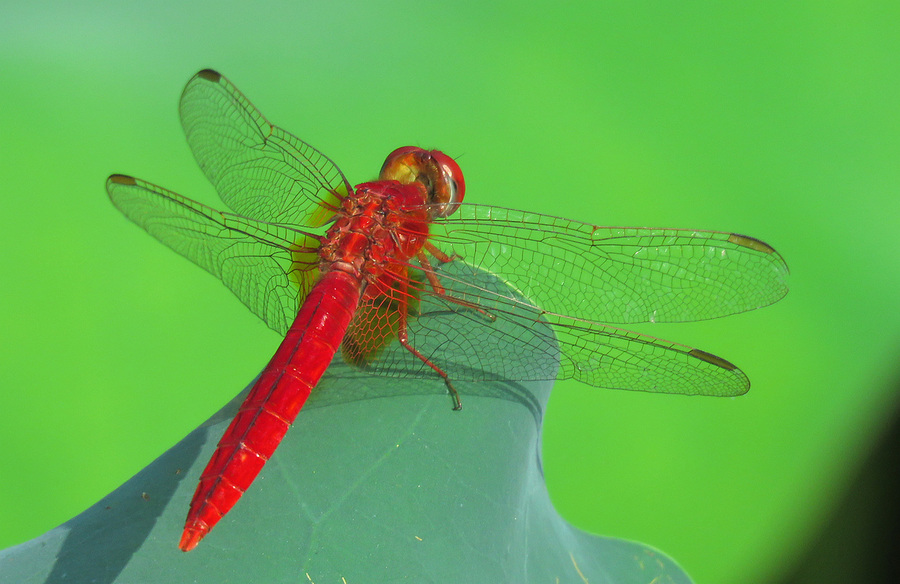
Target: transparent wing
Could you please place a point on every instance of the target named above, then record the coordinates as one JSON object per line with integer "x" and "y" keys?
{"x": 506, "y": 338}
{"x": 258, "y": 169}
{"x": 615, "y": 274}
{"x": 505, "y": 263}
{"x": 269, "y": 267}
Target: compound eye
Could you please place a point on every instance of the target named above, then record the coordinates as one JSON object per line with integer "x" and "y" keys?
{"x": 434, "y": 170}
{"x": 398, "y": 160}
{"x": 449, "y": 188}
{"x": 402, "y": 165}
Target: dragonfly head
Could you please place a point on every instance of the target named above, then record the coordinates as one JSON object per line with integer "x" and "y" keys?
{"x": 437, "y": 172}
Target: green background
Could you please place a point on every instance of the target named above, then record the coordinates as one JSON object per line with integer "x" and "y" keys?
{"x": 778, "y": 121}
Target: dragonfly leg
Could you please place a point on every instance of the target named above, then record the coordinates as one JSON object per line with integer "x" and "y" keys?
{"x": 439, "y": 255}
{"x": 403, "y": 338}
{"x": 439, "y": 289}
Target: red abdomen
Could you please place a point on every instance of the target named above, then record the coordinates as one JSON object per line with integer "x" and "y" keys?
{"x": 274, "y": 402}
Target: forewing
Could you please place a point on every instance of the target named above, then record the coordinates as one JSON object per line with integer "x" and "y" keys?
{"x": 615, "y": 275}
{"x": 263, "y": 264}
{"x": 259, "y": 170}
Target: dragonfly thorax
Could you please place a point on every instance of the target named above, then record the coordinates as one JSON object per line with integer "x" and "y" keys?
{"x": 382, "y": 224}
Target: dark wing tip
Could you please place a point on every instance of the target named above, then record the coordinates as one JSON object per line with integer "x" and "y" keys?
{"x": 121, "y": 179}
{"x": 727, "y": 366}
{"x": 760, "y": 246}
{"x": 751, "y": 242}
{"x": 209, "y": 75}
{"x": 713, "y": 359}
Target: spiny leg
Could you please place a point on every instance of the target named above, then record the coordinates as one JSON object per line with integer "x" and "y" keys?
{"x": 439, "y": 289}
{"x": 439, "y": 255}
{"x": 403, "y": 337}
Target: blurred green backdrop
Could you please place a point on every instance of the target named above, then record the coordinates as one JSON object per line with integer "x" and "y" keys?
{"x": 775, "y": 120}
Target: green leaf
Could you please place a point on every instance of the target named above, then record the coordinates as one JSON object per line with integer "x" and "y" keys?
{"x": 378, "y": 481}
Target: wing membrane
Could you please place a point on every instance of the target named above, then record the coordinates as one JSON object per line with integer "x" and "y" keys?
{"x": 512, "y": 340}
{"x": 258, "y": 169}
{"x": 256, "y": 260}
{"x": 616, "y": 275}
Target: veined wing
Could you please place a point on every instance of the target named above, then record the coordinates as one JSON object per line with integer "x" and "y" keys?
{"x": 615, "y": 274}
{"x": 512, "y": 340}
{"x": 508, "y": 261}
{"x": 267, "y": 266}
{"x": 259, "y": 170}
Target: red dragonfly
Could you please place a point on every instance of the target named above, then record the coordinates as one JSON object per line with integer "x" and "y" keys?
{"x": 366, "y": 269}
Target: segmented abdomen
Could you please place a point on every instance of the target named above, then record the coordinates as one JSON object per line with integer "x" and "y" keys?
{"x": 274, "y": 402}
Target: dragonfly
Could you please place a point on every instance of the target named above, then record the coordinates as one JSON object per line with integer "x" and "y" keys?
{"x": 364, "y": 270}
